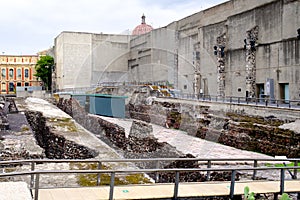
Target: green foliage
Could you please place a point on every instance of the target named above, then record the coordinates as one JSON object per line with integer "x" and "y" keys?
{"x": 247, "y": 195}
{"x": 43, "y": 70}
{"x": 251, "y": 196}
{"x": 285, "y": 196}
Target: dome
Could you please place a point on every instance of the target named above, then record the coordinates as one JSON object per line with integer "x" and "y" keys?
{"x": 142, "y": 28}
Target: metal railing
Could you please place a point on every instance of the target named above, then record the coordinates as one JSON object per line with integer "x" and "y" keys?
{"x": 35, "y": 174}
{"x": 266, "y": 102}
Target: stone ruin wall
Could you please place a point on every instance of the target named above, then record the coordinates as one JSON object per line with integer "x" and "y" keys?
{"x": 133, "y": 146}
{"x": 247, "y": 132}
{"x": 140, "y": 143}
{"x": 55, "y": 146}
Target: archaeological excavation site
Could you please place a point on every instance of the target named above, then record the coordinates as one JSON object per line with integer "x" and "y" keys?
{"x": 61, "y": 133}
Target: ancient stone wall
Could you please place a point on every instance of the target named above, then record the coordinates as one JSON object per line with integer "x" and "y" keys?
{"x": 136, "y": 145}
{"x": 260, "y": 135}
{"x": 56, "y": 146}
{"x": 248, "y": 132}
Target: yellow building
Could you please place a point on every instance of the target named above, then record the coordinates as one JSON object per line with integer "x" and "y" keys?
{"x": 17, "y": 71}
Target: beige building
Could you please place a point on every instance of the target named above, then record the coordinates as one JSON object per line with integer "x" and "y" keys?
{"x": 17, "y": 71}
{"x": 238, "y": 48}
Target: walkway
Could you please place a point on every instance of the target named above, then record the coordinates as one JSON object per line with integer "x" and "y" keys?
{"x": 158, "y": 191}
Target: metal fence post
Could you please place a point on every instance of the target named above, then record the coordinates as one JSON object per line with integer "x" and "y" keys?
{"x": 208, "y": 172}
{"x": 99, "y": 174}
{"x": 232, "y": 183}
{"x": 157, "y": 173}
{"x": 295, "y": 170}
{"x": 36, "y": 188}
{"x": 282, "y": 171}
{"x": 111, "y": 185}
{"x": 32, "y": 175}
{"x": 254, "y": 171}
{"x": 176, "y": 185}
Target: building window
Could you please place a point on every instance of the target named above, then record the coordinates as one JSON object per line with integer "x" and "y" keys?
{"x": 19, "y": 75}
{"x": 3, "y": 87}
{"x": 185, "y": 87}
{"x": 11, "y": 86}
{"x": 3, "y": 71}
{"x": 239, "y": 89}
{"x": 11, "y": 73}
{"x": 19, "y": 84}
{"x": 26, "y": 84}
{"x": 26, "y": 73}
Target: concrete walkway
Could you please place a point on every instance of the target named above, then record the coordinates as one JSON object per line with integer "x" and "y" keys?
{"x": 159, "y": 191}
{"x": 14, "y": 191}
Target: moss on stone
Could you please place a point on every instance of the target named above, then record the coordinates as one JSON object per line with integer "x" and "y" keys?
{"x": 91, "y": 179}
{"x": 254, "y": 119}
{"x": 64, "y": 123}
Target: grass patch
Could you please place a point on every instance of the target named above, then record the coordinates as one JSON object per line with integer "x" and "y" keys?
{"x": 91, "y": 179}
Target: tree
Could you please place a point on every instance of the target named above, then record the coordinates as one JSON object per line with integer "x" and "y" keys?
{"x": 43, "y": 70}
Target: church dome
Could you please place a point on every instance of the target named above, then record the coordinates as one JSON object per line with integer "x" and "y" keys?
{"x": 142, "y": 28}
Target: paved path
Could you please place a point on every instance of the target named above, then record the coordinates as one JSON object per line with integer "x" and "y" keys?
{"x": 14, "y": 191}
{"x": 158, "y": 191}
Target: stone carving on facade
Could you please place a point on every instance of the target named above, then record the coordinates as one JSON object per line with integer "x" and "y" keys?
{"x": 196, "y": 63}
{"x": 250, "y": 47}
{"x": 219, "y": 51}
{"x": 176, "y": 59}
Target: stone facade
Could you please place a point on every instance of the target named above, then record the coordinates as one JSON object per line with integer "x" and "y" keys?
{"x": 181, "y": 54}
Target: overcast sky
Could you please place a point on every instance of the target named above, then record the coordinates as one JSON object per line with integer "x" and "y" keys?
{"x": 30, "y": 26}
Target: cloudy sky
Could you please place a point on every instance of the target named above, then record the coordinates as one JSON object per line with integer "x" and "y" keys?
{"x": 30, "y": 26}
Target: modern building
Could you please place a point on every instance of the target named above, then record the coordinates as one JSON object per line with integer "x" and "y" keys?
{"x": 237, "y": 48}
{"x": 17, "y": 71}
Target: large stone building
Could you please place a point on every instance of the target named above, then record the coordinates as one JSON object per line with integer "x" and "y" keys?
{"x": 17, "y": 71}
{"x": 238, "y": 48}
